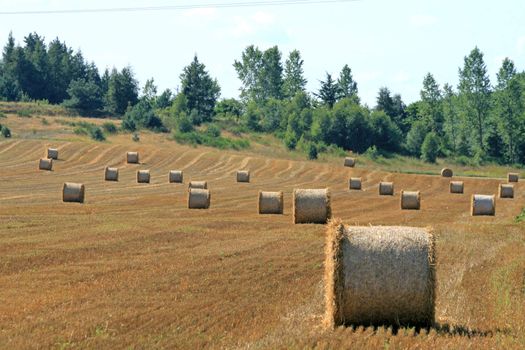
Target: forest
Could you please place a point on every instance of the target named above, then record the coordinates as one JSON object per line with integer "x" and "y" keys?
{"x": 475, "y": 122}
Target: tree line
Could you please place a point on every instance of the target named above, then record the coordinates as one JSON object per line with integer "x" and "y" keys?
{"x": 474, "y": 122}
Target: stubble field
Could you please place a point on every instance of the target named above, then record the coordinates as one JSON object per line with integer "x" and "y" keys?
{"x": 133, "y": 268}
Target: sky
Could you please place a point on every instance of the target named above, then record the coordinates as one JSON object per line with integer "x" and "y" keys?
{"x": 392, "y": 43}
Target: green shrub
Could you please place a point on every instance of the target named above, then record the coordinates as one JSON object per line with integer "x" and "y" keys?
{"x": 96, "y": 134}
{"x": 79, "y": 130}
{"x": 24, "y": 113}
{"x": 372, "y": 152}
{"x": 430, "y": 148}
{"x": 213, "y": 130}
{"x": 135, "y": 137}
{"x": 2, "y": 115}
{"x": 110, "y": 127}
{"x": 203, "y": 138}
{"x": 45, "y": 121}
{"x": 520, "y": 217}
{"x": 312, "y": 151}
{"x": 6, "y": 132}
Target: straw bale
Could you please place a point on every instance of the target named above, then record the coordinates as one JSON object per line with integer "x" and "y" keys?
{"x": 243, "y": 176}
{"x": 111, "y": 174}
{"x": 513, "y": 177}
{"x": 132, "y": 157}
{"x": 199, "y": 198}
{"x": 198, "y": 184}
{"x": 311, "y": 206}
{"x": 270, "y": 202}
{"x": 506, "y": 191}
{"x": 456, "y": 186}
{"x": 386, "y": 188}
{"x": 350, "y": 162}
{"x": 446, "y": 172}
{"x": 483, "y": 205}
{"x": 354, "y": 183}
{"x": 143, "y": 176}
{"x": 45, "y": 164}
{"x": 411, "y": 200}
{"x": 176, "y": 176}
{"x": 73, "y": 192}
{"x": 52, "y": 153}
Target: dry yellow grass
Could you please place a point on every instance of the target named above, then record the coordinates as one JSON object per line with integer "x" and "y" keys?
{"x": 134, "y": 268}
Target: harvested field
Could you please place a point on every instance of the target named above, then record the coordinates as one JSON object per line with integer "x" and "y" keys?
{"x": 132, "y": 267}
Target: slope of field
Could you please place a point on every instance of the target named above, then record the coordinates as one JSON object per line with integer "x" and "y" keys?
{"x": 134, "y": 268}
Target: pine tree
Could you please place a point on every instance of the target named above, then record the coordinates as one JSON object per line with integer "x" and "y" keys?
{"x": 294, "y": 81}
{"x": 328, "y": 91}
{"x": 346, "y": 84}
{"x": 432, "y": 108}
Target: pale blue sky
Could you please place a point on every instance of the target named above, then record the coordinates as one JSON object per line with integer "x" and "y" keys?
{"x": 391, "y": 43}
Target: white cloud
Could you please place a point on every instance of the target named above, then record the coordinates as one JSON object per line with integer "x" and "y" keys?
{"x": 421, "y": 20}
{"x": 520, "y": 45}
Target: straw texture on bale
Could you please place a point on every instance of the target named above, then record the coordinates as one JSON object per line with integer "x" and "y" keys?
{"x": 52, "y": 153}
{"x": 386, "y": 188}
{"x": 132, "y": 157}
{"x": 350, "y": 162}
{"x": 243, "y": 176}
{"x": 456, "y": 186}
{"x": 270, "y": 202}
{"x": 198, "y": 198}
{"x": 354, "y": 183}
{"x": 411, "y": 200}
{"x": 506, "y": 191}
{"x": 73, "y": 192}
{"x": 446, "y": 172}
{"x": 311, "y": 206}
{"x": 175, "y": 176}
{"x": 513, "y": 177}
{"x": 45, "y": 164}
{"x": 379, "y": 276}
{"x": 483, "y": 205}
{"x": 143, "y": 176}
{"x": 111, "y": 174}
{"x": 198, "y": 184}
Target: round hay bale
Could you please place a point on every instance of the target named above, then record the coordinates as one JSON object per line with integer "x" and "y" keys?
{"x": 311, "y": 206}
{"x": 143, "y": 176}
{"x": 379, "y": 276}
{"x": 243, "y": 176}
{"x": 199, "y": 198}
{"x": 52, "y": 153}
{"x": 45, "y": 164}
{"x": 175, "y": 176}
{"x": 446, "y": 172}
{"x": 350, "y": 162}
{"x": 111, "y": 174}
{"x": 506, "y": 191}
{"x": 270, "y": 202}
{"x": 483, "y": 205}
{"x": 354, "y": 183}
{"x": 513, "y": 177}
{"x": 386, "y": 188}
{"x": 73, "y": 192}
{"x": 411, "y": 200}
{"x": 132, "y": 157}
{"x": 456, "y": 186}
{"x": 198, "y": 184}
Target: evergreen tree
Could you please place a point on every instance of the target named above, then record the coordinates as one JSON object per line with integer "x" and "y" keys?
{"x": 328, "y": 91}
{"x": 294, "y": 81}
{"x": 430, "y": 148}
{"x": 200, "y": 90}
{"x": 452, "y": 122}
{"x": 431, "y": 107}
{"x": 122, "y": 91}
{"x": 346, "y": 84}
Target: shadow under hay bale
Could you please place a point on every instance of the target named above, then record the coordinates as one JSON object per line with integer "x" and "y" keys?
{"x": 349, "y": 162}
{"x": 111, "y": 174}
{"x": 457, "y": 187}
{"x": 311, "y": 206}
{"x": 506, "y": 191}
{"x": 243, "y": 176}
{"x": 52, "y": 153}
{"x": 354, "y": 183}
{"x": 446, "y": 172}
{"x": 203, "y": 185}
{"x": 132, "y": 157}
{"x": 45, "y": 164}
{"x": 513, "y": 177}
{"x": 379, "y": 276}
{"x": 143, "y": 176}
{"x": 386, "y": 188}
{"x": 199, "y": 198}
{"x": 270, "y": 202}
{"x": 482, "y": 205}
{"x": 175, "y": 176}
{"x": 410, "y": 200}
{"x": 73, "y": 192}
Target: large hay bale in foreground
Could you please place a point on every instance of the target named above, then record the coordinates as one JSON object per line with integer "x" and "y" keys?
{"x": 243, "y": 176}
{"x": 446, "y": 172}
{"x": 506, "y": 191}
{"x": 456, "y": 186}
{"x": 132, "y": 157}
{"x": 175, "y": 176}
{"x": 411, "y": 200}
{"x": 143, "y": 176}
{"x": 379, "y": 276}
{"x": 73, "y": 192}
{"x": 350, "y": 162}
{"x": 354, "y": 183}
{"x": 45, "y": 164}
{"x": 311, "y": 206}
{"x": 386, "y": 188}
{"x": 198, "y": 184}
{"x": 198, "y": 198}
{"x": 270, "y": 202}
{"x": 111, "y": 174}
{"x": 52, "y": 153}
{"x": 513, "y": 177}
{"x": 483, "y": 205}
